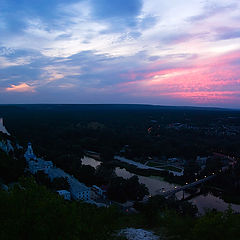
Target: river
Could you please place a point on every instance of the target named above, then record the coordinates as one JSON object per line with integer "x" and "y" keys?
{"x": 156, "y": 184}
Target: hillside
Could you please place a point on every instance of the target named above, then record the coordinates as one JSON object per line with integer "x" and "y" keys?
{"x": 31, "y": 210}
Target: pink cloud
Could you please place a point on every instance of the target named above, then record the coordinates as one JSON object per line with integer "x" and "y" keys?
{"x": 208, "y": 97}
{"x": 22, "y": 87}
{"x": 213, "y": 79}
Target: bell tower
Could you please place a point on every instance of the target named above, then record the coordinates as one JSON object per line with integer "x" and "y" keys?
{"x": 29, "y": 149}
{"x": 29, "y": 153}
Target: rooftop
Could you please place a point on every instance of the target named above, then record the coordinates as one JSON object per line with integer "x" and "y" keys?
{"x": 63, "y": 191}
{"x": 75, "y": 185}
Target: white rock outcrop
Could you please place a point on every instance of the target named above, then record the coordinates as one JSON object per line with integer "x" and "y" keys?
{"x": 138, "y": 234}
{"x": 2, "y": 127}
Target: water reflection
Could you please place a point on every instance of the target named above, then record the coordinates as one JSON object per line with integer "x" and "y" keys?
{"x": 209, "y": 201}
{"x": 154, "y": 184}
{"x": 90, "y": 161}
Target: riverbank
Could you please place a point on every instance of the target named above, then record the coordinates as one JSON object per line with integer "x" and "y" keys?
{"x": 157, "y": 183}
{"x": 168, "y": 177}
{"x": 168, "y": 174}
{"x": 148, "y": 166}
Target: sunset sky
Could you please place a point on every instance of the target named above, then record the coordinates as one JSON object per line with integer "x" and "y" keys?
{"x": 175, "y": 52}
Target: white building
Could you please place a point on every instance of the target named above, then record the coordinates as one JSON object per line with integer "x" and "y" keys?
{"x": 97, "y": 192}
{"x": 39, "y": 165}
{"x": 36, "y": 164}
{"x": 29, "y": 155}
{"x": 78, "y": 190}
{"x": 66, "y": 194}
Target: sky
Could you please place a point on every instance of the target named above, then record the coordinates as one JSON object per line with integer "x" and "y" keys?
{"x": 175, "y": 52}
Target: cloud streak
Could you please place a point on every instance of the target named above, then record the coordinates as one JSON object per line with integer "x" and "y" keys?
{"x": 138, "y": 51}
{"x": 210, "y": 80}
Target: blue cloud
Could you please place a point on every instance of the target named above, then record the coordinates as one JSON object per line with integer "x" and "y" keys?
{"x": 117, "y": 8}
{"x": 229, "y": 34}
{"x": 15, "y": 12}
{"x": 117, "y": 12}
{"x": 148, "y": 22}
{"x": 212, "y": 9}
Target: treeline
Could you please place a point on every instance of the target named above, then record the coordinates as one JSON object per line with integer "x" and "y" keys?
{"x": 229, "y": 185}
{"x": 12, "y": 164}
{"x": 68, "y": 129}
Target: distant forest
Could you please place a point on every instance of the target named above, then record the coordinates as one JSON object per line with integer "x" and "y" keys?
{"x": 57, "y": 130}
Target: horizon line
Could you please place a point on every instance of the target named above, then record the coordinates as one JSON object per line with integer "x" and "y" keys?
{"x": 140, "y": 104}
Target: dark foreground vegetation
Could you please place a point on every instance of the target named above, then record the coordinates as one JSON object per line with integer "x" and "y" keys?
{"x": 178, "y": 221}
{"x": 30, "y": 211}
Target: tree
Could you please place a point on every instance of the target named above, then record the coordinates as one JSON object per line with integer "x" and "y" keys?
{"x": 135, "y": 191}
{"x": 117, "y": 191}
{"x": 42, "y": 178}
{"x": 11, "y": 168}
{"x": 107, "y": 154}
{"x": 33, "y": 212}
{"x": 121, "y": 189}
{"x": 104, "y": 173}
{"x": 217, "y": 225}
{"x": 190, "y": 169}
{"x": 85, "y": 174}
{"x": 212, "y": 164}
{"x": 60, "y": 183}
